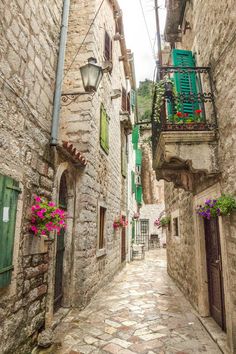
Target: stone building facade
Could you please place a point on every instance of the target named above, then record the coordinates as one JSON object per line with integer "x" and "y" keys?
{"x": 76, "y": 172}
{"x": 208, "y": 30}
{"x": 29, "y": 49}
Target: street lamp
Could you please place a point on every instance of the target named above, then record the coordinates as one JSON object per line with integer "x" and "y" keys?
{"x": 91, "y": 74}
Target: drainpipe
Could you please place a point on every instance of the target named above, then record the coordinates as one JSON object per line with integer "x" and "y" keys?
{"x": 59, "y": 73}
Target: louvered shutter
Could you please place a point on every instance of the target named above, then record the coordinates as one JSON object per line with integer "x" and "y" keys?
{"x": 139, "y": 195}
{"x": 138, "y": 157}
{"x": 185, "y": 83}
{"x": 104, "y": 129}
{"x": 135, "y": 137}
{"x": 133, "y": 99}
{"x": 9, "y": 190}
{"x": 133, "y": 182}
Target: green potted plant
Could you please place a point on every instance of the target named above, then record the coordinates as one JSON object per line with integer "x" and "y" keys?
{"x": 212, "y": 208}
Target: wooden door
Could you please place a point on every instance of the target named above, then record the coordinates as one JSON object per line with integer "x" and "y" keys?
{"x": 214, "y": 269}
{"x": 58, "y": 290}
{"x": 123, "y": 242}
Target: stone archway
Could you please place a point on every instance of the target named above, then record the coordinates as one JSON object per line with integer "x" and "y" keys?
{"x": 65, "y": 173}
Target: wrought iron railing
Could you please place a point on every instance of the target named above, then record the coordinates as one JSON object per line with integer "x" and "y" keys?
{"x": 186, "y": 102}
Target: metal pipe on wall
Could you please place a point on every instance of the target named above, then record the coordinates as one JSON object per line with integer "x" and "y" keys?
{"x": 59, "y": 73}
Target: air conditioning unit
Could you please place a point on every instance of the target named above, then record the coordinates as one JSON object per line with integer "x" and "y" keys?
{"x": 138, "y": 181}
{"x": 138, "y": 169}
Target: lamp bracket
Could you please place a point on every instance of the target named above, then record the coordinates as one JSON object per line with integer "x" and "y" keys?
{"x": 68, "y": 98}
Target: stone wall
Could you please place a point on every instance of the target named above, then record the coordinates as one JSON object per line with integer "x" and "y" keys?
{"x": 101, "y": 182}
{"x": 28, "y": 52}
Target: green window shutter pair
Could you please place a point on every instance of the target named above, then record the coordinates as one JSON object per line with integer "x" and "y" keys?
{"x": 104, "y": 129}
{"x": 133, "y": 99}
{"x": 133, "y": 186}
{"x": 138, "y": 157}
{"x": 133, "y": 230}
{"x": 185, "y": 83}
{"x": 139, "y": 195}
{"x": 9, "y": 190}
{"x": 123, "y": 162}
{"x": 135, "y": 137}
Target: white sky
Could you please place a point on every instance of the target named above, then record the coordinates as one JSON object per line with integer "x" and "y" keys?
{"x": 136, "y": 34}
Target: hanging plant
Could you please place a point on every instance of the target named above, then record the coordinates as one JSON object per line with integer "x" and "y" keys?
{"x": 162, "y": 88}
{"x": 46, "y": 217}
{"x": 119, "y": 222}
{"x": 165, "y": 221}
{"x": 212, "y": 208}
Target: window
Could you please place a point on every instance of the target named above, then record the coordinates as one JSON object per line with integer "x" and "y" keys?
{"x": 101, "y": 240}
{"x": 104, "y": 129}
{"x": 9, "y": 191}
{"x": 108, "y": 47}
{"x": 125, "y": 101}
{"x": 176, "y": 226}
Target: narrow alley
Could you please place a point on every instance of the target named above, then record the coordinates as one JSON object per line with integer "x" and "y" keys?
{"x": 141, "y": 311}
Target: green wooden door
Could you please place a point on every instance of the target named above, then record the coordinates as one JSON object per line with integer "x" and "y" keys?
{"x": 185, "y": 83}
{"x": 9, "y": 190}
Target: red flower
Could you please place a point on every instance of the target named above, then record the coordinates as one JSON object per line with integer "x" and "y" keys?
{"x": 198, "y": 111}
{"x": 179, "y": 114}
{"x": 185, "y": 114}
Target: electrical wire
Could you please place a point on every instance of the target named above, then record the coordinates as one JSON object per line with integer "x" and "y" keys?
{"x": 147, "y": 29}
{"x": 81, "y": 45}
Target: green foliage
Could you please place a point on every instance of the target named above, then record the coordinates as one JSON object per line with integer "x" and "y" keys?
{"x": 165, "y": 221}
{"x": 226, "y": 204}
{"x": 144, "y": 100}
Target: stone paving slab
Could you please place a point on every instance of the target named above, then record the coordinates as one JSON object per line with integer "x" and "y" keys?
{"x": 141, "y": 311}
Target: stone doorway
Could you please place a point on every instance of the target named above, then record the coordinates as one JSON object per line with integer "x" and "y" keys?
{"x": 214, "y": 272}
{"x": 60, "y": 248}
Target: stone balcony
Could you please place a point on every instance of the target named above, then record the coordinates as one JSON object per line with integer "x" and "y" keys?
{"x": 185, "y": 148}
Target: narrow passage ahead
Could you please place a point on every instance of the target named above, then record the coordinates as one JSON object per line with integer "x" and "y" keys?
{"x": 141, "y": 311}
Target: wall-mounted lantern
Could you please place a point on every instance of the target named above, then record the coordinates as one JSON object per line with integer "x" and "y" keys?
{"x": 91, "y": 74}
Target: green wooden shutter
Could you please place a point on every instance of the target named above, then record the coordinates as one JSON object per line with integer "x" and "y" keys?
{"x": 133, "y": 99}
{"x": 123, "y": 162}
{"x": 133, "y": 231}
{"x": 104, "y": 129}
{"x": 138, "y": 157}
{"x": 139, "y": 195}
{"x": 133, "y": 186}
{"x": 9, "y": 190}
{"x": 135, "y": 137}
{"x": 185, "y": 83}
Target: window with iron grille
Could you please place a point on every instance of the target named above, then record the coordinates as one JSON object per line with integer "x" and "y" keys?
{"x": 108, "y": 47}
{"x": 101, "y": 240}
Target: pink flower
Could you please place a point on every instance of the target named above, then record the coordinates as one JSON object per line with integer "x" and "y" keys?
{"x": 33, "y": 220}
{"x": 43, "y": 232}
{"x": 34, "y": 229}
{"x": 43, "y": 210}
{"x": 61, "y": 222}
{"x": 40, "y": 214}
{"x": 37, "y": 206}
{"x": 37, "y": 198}
{"x": 51, "y": 204}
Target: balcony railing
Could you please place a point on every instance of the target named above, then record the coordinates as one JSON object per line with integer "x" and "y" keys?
{"x": 183, "y": 101}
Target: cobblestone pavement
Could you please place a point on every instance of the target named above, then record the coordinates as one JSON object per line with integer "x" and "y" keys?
{"x": 141, "y": 311}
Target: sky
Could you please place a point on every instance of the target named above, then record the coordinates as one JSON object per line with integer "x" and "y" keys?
{"x": 136, "y": 35}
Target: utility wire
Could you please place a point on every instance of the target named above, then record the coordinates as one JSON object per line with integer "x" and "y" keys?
{"x": 81, "y": 45}
{"x": 147, "y": 29}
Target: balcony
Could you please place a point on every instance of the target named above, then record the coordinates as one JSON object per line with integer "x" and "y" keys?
{"x": 184, "y": 127}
